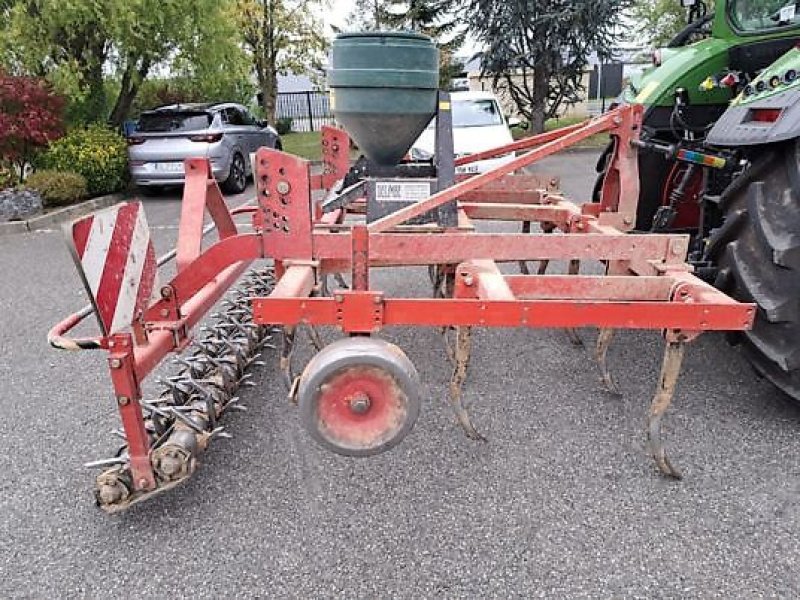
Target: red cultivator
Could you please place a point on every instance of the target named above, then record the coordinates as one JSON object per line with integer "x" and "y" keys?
{"x": 360, "y": 395}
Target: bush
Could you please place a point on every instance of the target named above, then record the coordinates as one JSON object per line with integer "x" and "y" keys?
{"x": 97, "y": 153}
{"x": 57, "y": 188}
{"x": 6, "y": 177}
{"x": 30, "y": 117}
{"x": 284, "y": 125}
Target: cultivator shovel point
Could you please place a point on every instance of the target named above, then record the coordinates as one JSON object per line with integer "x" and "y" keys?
{"x": 361, "y": 395}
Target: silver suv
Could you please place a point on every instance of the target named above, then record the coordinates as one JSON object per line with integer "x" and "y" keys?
{"x": 225, "y": 133}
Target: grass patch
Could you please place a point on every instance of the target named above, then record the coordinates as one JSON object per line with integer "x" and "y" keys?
{"x": 599, "y": 140}
{"x": 305, "y": 144}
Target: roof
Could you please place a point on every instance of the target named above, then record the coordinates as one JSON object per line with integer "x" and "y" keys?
{"x": 193, "y": 106}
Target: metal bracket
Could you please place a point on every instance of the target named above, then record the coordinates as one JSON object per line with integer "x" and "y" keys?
{"x": 359, "y": 311}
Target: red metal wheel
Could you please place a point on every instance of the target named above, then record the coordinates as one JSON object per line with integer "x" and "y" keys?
{"x": 359, "y": 396}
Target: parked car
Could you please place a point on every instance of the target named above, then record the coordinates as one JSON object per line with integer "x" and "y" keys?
{"x": 478, "y": 124}
{"x": 225, "y": 133}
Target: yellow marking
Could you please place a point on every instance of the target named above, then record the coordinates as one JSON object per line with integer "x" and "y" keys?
{"x": 444, "y": 106}
{"x": 647, "y": 91}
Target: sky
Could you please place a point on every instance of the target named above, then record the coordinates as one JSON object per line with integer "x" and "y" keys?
{"x": 337, "y": 13}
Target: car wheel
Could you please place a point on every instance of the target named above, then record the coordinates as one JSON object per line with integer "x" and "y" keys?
{"x": 278, "y": 144}
{"x": 150, "y": 190}
{"x": 237, "y": 177}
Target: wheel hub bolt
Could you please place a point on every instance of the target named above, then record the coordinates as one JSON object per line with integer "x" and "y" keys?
{"x": 359, "y": 403}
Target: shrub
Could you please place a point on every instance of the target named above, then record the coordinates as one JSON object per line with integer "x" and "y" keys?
{"x": 284, "y": 125}
{"x": 30, "y": 117}
{"x": 57, "y": 188}
{"x": 6, "y": 177}
{"x": 97, "y": 153}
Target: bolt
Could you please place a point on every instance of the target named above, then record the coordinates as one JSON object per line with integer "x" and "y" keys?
{"x": 469, "y": 280}
{"x": 115, "y": 363}
{"x": 143, "y": 482}
{"x": 123, "y": 400}
{"x": 338, "y": 298}
{"x": 164, "y": 312}
{"x": 283, "y": 187}
{"x": 166, "y": 292}
{"x": 377, "y": 300}
{"x": 627, "y": 220}
{"x": 360, "y": 403}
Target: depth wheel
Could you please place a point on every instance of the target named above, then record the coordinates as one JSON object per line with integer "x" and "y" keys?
{"x": 757, "y": 250}
{"x": 359, "y": 396}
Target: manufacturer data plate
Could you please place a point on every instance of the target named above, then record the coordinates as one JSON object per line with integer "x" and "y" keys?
{"x": 402, "y": 191}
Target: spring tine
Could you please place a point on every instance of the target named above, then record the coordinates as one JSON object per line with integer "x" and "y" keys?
{"x": 670, "y": 370}
{"x": 316, "y": 340}
{"x": 542, "y": 267}
{"x": 463, "y": 351}
{"x": 604, "y": 338}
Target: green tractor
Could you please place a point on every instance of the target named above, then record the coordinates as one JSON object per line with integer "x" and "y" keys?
{"x": 720, "y": 158}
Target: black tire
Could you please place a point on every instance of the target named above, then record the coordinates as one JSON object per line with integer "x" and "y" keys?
{"x": 236, "y": 182}
{"x": 150, "y": 191}
{"x": 278, "y": 144}
{"x": 757, "y": 250}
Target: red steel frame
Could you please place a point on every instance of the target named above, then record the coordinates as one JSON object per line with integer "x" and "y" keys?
{"x": 647, "y": 285}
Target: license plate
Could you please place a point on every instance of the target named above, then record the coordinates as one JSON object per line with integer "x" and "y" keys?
{"x": 168, "y": 167}
{"x": 472, "y": 168}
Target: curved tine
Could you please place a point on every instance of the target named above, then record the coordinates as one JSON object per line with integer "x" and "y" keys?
{"x": 572, "y": 333}
{"x": 670, "y": 369}
{"x": 316, "y": 339}
{"x": 287, "y": 350}
{"x": 463, "y": 351}
{"x": 523, "y": 264}
{"x": 340, "y": 281}
{"x": 604, "y": 339}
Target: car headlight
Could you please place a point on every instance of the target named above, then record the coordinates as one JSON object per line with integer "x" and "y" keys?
{"x": 420, "y": 154}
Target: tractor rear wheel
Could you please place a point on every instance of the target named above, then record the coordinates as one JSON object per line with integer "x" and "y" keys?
{"x": 757, "y": 251}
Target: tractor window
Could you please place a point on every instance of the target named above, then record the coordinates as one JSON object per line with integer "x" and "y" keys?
{"x": 759, "y": 15}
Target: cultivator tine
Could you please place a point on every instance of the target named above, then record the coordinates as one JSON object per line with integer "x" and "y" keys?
{"x": 572, "y": 333}
{"x": 523, "y": 264}
{"x": 287, "y": 350}
{"x": 604, "y": 338}
{"x": 463, "y": 351}
{"x": 670, "y": 369}
{"x": 339, "y": 278}
{"x": 315, "y": 338}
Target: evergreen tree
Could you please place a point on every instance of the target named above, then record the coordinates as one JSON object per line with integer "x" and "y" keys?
{"x": 537, "y": 50}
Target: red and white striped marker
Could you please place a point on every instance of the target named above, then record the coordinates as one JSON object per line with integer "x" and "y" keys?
{"x": 117, "y": 262}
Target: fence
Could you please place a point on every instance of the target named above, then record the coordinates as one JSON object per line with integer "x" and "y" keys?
{"x": 309, "y": 111}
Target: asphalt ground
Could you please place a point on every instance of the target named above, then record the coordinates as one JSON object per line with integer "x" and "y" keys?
{"x": 562, "y": 501}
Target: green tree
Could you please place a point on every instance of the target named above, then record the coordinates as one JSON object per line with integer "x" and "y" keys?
{"x": 76, "y": 44}
{"x": 367, "y": 15}
{"x": 438, "y": 19}
{"x": 281, "y": 36}
{"x": 659, "y": 21}
{"x": 537, "y": 50}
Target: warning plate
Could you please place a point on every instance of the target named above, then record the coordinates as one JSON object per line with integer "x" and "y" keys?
{"x": 402, "y": 191}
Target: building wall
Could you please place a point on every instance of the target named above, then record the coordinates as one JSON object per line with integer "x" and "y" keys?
{"x": 583, "y": 108}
